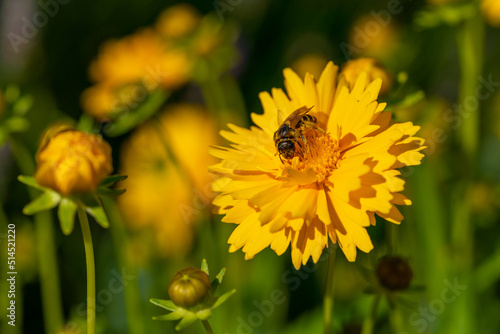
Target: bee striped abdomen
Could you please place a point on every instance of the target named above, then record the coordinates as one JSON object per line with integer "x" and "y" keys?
{"x": 307, "y": 118}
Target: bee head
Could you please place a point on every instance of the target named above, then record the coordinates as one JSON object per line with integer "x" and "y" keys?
{"x": 286, "y": 149}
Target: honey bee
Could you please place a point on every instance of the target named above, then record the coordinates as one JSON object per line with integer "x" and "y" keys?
{"x": 291, "y": 132}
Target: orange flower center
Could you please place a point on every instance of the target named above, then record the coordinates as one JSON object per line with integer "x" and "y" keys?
{"x": 321, "y": 154}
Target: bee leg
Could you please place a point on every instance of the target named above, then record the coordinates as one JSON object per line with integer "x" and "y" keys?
{"x": 304, "y": 140}
{"x": 314, "y": 126}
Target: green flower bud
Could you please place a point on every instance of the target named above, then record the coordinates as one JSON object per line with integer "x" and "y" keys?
{"x": 189, "y": 287}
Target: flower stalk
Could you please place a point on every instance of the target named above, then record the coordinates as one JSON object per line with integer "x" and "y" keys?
{"x": 89, "y": 259}
{"x": 207, "y": 327}
{"x": 329, "y": 291}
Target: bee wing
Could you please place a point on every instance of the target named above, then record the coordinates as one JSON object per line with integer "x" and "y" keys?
{"x": 295, "y": 117}
{"x": 281, "y": 117}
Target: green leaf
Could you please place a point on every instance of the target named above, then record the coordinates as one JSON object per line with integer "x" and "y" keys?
{"x": 221, "y": 299}
{"x": 187, "y": 320}
{"x": 109, "y": 192}
{"x": 22, "y": 105}
{"x": 11, "y": 93}
{"x": 166, "y": 304}
{"x": 17, "y": 124}
{"x": 30, "y": 181}
{"x": 128, "y": 120}
{"x": 99, "y": 215}
{"x": 85, "y": 123}
{"x": 110, "y": 180}
{"x": 46, "y": 201}
{"x": 204, "y": 266}
{"x": 66, "y": 214}
{"x": 176, "y": 315}
{"x": 217, "y": 280}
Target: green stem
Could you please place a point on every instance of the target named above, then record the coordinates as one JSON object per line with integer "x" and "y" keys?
{"x": 131, "y": 291}
{"x": 369, "y": 322}
{"x": 208, "y": 329}
{"x": 395, "y": 317}
{"x": 89, "y": 257}
{"x": 329, "y": 292}
{"x": 46, "y": 247}
{"x": 470, "y": 42}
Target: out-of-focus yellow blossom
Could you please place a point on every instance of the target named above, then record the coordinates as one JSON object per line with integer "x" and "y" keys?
{"x": 373, "y": 38}
{"x": 311, "y": 62}
{"x": 178, "y": 21}
{"x": 128, "y": 69}
{"x": 373, "y": 68}
{"x": 154, "y": 176}
{"x": 207, "y": 38}
{"x": 73, "y": 162}
{"x": 491, "y": 11}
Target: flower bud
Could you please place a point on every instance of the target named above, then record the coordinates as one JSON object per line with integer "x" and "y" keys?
{"x": 73, "y": 162}
{"x": 189, "y": 287}
{"x": 374, "y": 70}
{"x": 394, "y": 273}
{"x": 178, "y": 21}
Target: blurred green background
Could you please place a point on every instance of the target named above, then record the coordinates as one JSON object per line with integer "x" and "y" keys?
{"x": 449, "y": 236}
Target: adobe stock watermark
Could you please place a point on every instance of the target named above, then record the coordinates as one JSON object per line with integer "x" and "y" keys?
{"x": 31, "y": 26}
{"x": 103, "y": 297}
{"x": 265, "y": 308}
{"x": 454, "y": 116}
{"x": 425, "y": 315}
{"x": 130, "y": 100}
{"x": 223, "y": 6}
{"x": 363, "y": 36}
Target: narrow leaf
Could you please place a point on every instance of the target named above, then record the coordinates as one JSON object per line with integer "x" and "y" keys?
{"x": 171, "y": 316}
{"x": 166, "y": 304}
{"x": 204, "y": 266}
{"x": 110, "y": 180}
{"x": 218, "y": 280}
{"x": 187, "y": 320}
{"x": 46, "y": 201}
{"x": 99, "y": 215}
{"x": 30, "y": 181}
{"x": 66, "y": 214}
{"x": 221, "y": 299}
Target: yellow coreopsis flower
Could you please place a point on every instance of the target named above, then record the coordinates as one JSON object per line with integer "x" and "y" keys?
{"x": 343, "y": 171}
{"x": 72, "y": 162}
{"x": 491, "y": 11}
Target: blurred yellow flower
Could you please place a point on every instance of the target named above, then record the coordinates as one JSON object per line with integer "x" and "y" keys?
{"x": 128, "y": 69}
{"x": 311, "y": 62}
{"x": 372, "y": 37}
{"x": 178, "y": 21}
{"x": 73, "y": 162}
{"x": 491, "y": 11}
{"x": 347, "y": 174}
{"x": 373, "y": 68}
{"x": 164, "y": 194}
